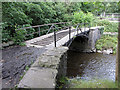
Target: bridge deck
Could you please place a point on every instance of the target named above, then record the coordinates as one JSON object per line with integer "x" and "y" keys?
{"x": 47, "y": 41}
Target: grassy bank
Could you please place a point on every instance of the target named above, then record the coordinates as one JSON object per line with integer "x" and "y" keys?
{"x": 78, "y": 83}
{"x": 65, "y": 82}
{"x": 107, "y": 42}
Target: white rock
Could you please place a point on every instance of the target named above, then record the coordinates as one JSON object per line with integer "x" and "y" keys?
{"x": 108, "y": 51}
{"x": 99, "y": 51}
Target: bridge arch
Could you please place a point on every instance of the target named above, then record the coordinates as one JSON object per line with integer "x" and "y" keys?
{"x": 85, "y": 42}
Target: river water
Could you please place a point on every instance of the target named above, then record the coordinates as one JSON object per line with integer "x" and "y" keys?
{"x": 91, "y": 65}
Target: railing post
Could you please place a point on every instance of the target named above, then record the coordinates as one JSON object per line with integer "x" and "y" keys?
{"x": 84, "y": 26}
{"x": 77, "y": 30}
{"x": 55, "y": 37}
{"x": 69, "y": 33}
{"x": 39, "y": 30}
{"x": 89, "y": 26}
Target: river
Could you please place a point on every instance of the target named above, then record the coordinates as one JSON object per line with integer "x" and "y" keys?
{"x": 91, "y": 65}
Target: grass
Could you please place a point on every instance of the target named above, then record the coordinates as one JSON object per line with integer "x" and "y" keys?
{"x": 78, "y": 83}
{"x": 107, "y": 42}
{"x": 22, "y": 44}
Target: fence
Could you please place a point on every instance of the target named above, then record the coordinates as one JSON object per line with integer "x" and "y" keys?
{"x": 112, "y": 15}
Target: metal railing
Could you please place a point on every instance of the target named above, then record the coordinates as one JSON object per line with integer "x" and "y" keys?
{"x": 55, "y": 29}
{"x": 39, "y": 26}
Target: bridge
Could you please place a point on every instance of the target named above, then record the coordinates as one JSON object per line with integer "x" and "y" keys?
{"x": 81, "y": 32}
{"x": 51, "y": 65}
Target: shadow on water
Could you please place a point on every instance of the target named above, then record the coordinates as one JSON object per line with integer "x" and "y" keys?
{"x": 90, "y": 65}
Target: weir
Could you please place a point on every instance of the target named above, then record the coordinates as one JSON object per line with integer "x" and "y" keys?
{"x": 52, "y": 64}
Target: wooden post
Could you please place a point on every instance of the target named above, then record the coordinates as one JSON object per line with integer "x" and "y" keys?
{"x": 118, "y": 58}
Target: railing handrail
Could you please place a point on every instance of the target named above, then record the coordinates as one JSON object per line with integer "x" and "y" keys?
{"x": 55, "y": 28}
{"x": 112, "y": 13}
{"x": 43, "y": 25}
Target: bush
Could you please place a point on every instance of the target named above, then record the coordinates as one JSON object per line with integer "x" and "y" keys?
{"x": 29, "y": 31}
{"x": 20, "y": 35}
{"x": 107, "y": 42}
{"x": 5, "y": 33}
{"x": 80, "y": 17}
{"x": 89, "y": 18}
{"x": 108, "y": 26}
{"x": 5, "y": 36}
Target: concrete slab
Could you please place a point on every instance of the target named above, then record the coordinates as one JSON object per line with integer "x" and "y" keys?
{"x": 37, "y": 77}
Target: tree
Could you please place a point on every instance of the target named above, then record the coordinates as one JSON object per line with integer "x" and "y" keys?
{"x": 105, "y": 7}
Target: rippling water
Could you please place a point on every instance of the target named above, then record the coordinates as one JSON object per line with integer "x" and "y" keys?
{"x": 91, "y": 65}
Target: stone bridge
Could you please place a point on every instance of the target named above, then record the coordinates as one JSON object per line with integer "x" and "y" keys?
{"x": 51, "y": 65}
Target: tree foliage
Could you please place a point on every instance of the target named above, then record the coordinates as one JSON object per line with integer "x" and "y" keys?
{"x": 22, "y": 14}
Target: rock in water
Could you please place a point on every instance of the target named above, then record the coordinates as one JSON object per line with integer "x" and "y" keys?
{"x": 108, "y": 51}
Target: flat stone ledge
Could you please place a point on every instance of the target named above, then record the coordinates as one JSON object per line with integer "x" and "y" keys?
{"x": 38, "y": 78}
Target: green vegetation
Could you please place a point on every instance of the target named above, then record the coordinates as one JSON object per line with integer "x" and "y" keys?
{"x": 25, "y": 14}
{"x": 65, "y": 82}
{"x": 62, "y": 82}
{"x": 107, "y": 42}
{"x": 108, "y": 26}
{"x": 21, "y": 14}
{"x": 81, "y": 17}
{"x": 22, "y": 44}
{"x": 78, "y": 83}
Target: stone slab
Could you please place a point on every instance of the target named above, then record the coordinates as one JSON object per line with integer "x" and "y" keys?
{"x": 39, "y": 78}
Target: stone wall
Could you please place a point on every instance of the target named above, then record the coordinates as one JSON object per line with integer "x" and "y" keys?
{"x": 94, "y": 35}
{"x": 46, "y": 70}
{"x": 55, "y": 59}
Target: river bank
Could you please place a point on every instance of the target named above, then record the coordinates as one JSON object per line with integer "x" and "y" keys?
{"x": 107, "y": 44}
